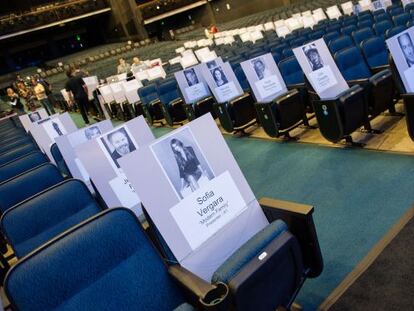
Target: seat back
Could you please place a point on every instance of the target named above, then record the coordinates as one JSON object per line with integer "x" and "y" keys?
{"x": 104, "y": 263}
{"x": 291, "y": 71}
{"x": 394, "y": 31}
{"x": 148, "y": 93}
{"x": 168, "y": 91}
{"x": 381, "y": 17}
{"x": 33, "y": 222}
{"x": 367, "y": 23}
{"x": 401, "y": 19}
{"x": 23, "y": 186}
{"x": 375, "y": 52}
{"x": 16, "y": 152}
{"x": 394, "y": 11}
{"x": 241, "y": 77}
{"x": 330, "y": 36}
{"x": 340, "y": 43}
{"x": 22, "y": 164}
{"x": 362, "y": 34}
{"x": 15, "y": 143}
{"x": 59, "y": 160}
{"x": 382, "y": 27}
{"x": 348, "y": 30}
{"x": 316, "y": 34}
{"x": 352, "y": 64}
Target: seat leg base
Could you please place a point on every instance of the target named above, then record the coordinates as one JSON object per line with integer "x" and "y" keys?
{"x": 349, "y": 141}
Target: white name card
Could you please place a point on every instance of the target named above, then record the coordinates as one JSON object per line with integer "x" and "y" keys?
{"x": 322, "y": 79}
{"x": 269, "y": 86}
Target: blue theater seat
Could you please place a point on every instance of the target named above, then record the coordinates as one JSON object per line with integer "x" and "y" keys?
{"x": 316, "y": 35}
{"x": 23, "y": 186}
{"x": 33, "y": 222}
{"x": 375, "y": 52}
{"x": 382, "y": 17}
{"x": 409, "y": 7}
{"x": 348, "y": 30}
{"x": 401, "y": 19}
{"x": 362, "y": 34}
{"x": 104, "y": 263}
{"x": 151, "y": 104}
{"x": 22, "y": 164}
{"x": 172, "y": 104}
{"x": 17, "y": 152}
{"x": 394, "y": 11}
{"x": 394, "y": 31}
{"x": 340, "y": 44}
{"x": 366, "y": 23}
{"x": 14, "y": 143}
{"x": 330, "y": 36}
{"x": 382, "y": 27}
{"x": 59, "y": 160}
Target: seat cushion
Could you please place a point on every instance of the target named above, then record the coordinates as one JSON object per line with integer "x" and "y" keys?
{"x": 248, "y": 251}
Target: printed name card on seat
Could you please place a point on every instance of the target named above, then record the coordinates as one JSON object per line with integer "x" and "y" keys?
{"x": 31, "y": 118}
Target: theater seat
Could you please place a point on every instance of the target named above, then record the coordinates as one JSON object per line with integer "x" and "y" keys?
{"x": 375, "y": 52}
{"x": 394, "y": 31}
{"x": 59, "y": 160}
{"x": 340, "y": 44}
{"x": 33, "y": 222}
{"x": 22, "y": 164}
{"x": 23, "y": 186}
{"x": 7, "y": 145}
{"x": 381, "y": 27}
{"x": 151, "y": 104}
{"x": 401, "y": 19}
{"x": 362, "y": 34}
{"x": 104, "y": 263}
{"x": 172, "y": 104}
{"x": 348, "y": 30}
{"x": 17, "y": 152}
{"x": 379, "y": 88}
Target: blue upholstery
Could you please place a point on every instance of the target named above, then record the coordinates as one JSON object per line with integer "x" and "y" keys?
{"x": 382, "y": 17}
{"x": 365, "y": 23}
{"x": 279, "y": 49}
{"x": 18, "y": 142}
{"x": 378, "y": 12}
{"x": 375, "y": 52}
{"x": 352, "y": 64}
{"x": 22, "y": 164}
{"x": 330, "y": 36}
{"x": 23, "y": 186}
{"x": 348, "y": 30}
{"x": 148, "y": 93}
{"x": 241, "y": 77}
{"x": 316, "y": 35}
{"x": 17, "y": 152}
{"x": 298, "y": 41}
{"x": 248, "y": 251}
{"x": 287, "y": 53}
{"x": 340, "y": 44}
{"x": 402, "y": 19}
{"x": 394, "y": 31}
{"x": 334, "y": 27}
{"x": 291, "y": 71}
{"x": 168, "y": 92}
{"x": 105, "y": 263}
{"x": 60, "y": 162}
{"x": 40, "y": 218}
{"x": 409, "y": 7}
{"x": 382, "y": 27}
{"x": 395, "y": 11}
{"x": 362, "y": 34}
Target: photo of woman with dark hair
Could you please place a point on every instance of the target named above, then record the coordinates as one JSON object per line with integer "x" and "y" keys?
{"x": 189, "y": 166}
{"x": 219, "y": 76}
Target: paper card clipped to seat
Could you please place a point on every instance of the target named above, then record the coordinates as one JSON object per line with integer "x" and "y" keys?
{"x": 100, "y": 157}
{"x": 29, "y": 119}
{"x": 320, "y": 69}
{"x": 131, "y": 90}
{"x": 68, "y": 143}
{"x": 106, "y": 93}
{"x": 401, "y": 47}
{"x": 47, "y": 130}
{"x": 264, "y": 78}
{"x": 92, "y": 84}
{"x": 221, "y": 80}
{"x": 192, "y": 84}
{"x": 118, "y": 92}
{"x": 207, "y": 209}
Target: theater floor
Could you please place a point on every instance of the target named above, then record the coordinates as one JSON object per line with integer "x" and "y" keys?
{"x": 358, "y": 194}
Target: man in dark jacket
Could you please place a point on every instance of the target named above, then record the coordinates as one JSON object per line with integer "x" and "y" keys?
{"x": 78, "y": 93}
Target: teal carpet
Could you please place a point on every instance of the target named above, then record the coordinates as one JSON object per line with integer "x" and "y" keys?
{"x": 358, "y": 195}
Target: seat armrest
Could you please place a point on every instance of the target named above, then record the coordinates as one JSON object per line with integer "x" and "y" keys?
{"x": 380, "y": 76}
{"x": 245, "y": 94}
{"x": 176, "y": 101}
{"x": 378, "y": 69}
{"x": 154, "y": 102}
{"x": 299, "y": 220}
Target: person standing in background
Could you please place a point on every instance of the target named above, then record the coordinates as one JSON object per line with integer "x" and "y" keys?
{"x": 15, "y": 102}
{"x": 123, "y": 66}
{"x": 40, "y": 94}
{"x": 78, "y": 93}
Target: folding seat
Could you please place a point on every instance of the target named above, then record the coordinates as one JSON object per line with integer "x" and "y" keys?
{"x": 376, "y": 53}
{"x": 379, "y": 88}
{"x": 172, "y": 103}
{"x": 59, "y": 160}
{"x": 409, "y": 7}
{"x": 328, "y": 37}
{"x": 316, "y": 35}
{"x": 394, "y": 11}
{"x": 279, "y": 49}
{"x": 22, "y": 164}
{"x": 23, "y": 186}
{"x": 287, "y": 53}
{"x": 367, "y": 23}
{"x": 349, "y": 20}
{"x": 401, "y": 19}
{"x": 334, "y": 27}
{"x": 151, "y": 104}
{"x": 382, "y": 27}
{"x": 361, "y": 35}
{"x": 340, "y": 43}
{"x": 32, "y": 222}
{"x": 382, "y": 17}
{"x": 348, "y": 30}
{"x": 109, "y": 271}
{"x": 14, "y": 143}
{"x": 394, "y": 31}
{"x": 17, "y": 152}
{"x": 298, "y": 41}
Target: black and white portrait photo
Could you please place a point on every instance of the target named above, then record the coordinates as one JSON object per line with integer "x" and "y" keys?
{"x": 260, "y": 68}
{"x": 407, "y": 47}
{"x": 34, "y": 117}
{"x": 191, "y": 77}
{"x": 219, "y": 77}
{"x": 118, "y": 143}
{"x": 183, "y": 162}
{"x": 313, "y": 56}
{"x": 57, "y": 129}
{"x": 92, "y": 132}
{"x": 211, "y": 64}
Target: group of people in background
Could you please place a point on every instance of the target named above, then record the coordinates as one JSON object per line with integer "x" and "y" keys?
{"x": 137, "y": 65}
{"x": 26, "y": 96}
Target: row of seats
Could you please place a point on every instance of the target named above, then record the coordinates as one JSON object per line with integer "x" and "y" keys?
{"x": 75, "y": 254}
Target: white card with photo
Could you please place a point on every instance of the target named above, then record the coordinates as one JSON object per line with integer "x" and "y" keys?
{"x": 207, "y": 209}
{"x": 131, "y": 90}
{"x": 106, "y": 93}
{"x": 31, "y": 118}
{"x": 100, "y": 157}
{"x": 192, "y": 84}
{"x": 118, "y": 92}
{"x": 320, "y": 69}
{"x": 69, "y": 142}
{"x": 222, "y": 82}
{"x": 156, "y": 72}
{"x": 401, "y": 47}
{"x": 264, "y": 78}
{"x": 45, "y": 133}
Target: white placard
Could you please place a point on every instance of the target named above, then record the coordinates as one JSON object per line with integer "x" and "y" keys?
{"x": 118, "y": 92}
{"x": 29, "y": 119}
{"x": 322, "y": 79}
{"x": 106, "y": 93}
{"x": 83, "y": 173}
{"x": 125, "y": 192}
{"x": 54, "y": 128}
{"x": 156, "y": 72}
{"x": 269, "y": 86}
{"x": 131, "y": 90}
